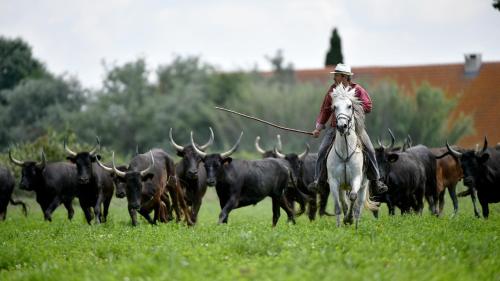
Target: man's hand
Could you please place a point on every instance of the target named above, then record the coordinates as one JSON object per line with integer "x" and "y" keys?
{"x": 316, "y": 133}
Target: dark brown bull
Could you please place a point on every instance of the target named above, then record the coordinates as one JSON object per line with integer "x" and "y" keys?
{"x": 448, "y": 174}
{"x": 144, "y": 183}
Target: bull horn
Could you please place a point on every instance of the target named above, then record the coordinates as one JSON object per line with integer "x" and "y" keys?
{"x": 233, "y": 149}
{"x": 485, "y": 145}
{"x": 199, "y": 152}
{"x": 69, "y": 151}
{"x": 151, "y": 165}
{"x": 304, "y": 154}
{"x": 410, "y": 141}
{"x": 179, "y": 148}
{"x": 257, "y": 145}
{"x": 279, "y": 154}
{"x": 393, "y": 139}
{"x": 96, "y": 147}
{"x": 452, "y": 151}
{"x": 115, "y": 170}
{"x": 210, "y": 141}
{"x": 15, "y": 161}
{"x": 107, "y": 169}
{"x": 380, "y": 143}
{"x": 137, "y": 149}
{"x": 279, "y": 145}
{"x": 44, "y": 160}
{"x": 476, "y": 150}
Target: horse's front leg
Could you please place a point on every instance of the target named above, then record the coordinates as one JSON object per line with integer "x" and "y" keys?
{"x": 358, "y": 205}
{"x": 334, "y": 189}
{"x": 354, "y": 198}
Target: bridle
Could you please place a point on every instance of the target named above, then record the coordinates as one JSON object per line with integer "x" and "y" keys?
{"x": 349, "y": 126}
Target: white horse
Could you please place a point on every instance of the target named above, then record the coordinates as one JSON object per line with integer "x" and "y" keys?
{"x": 345, "y": 165}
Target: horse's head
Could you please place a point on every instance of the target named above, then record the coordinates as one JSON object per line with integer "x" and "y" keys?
{"x": 343, "y": 105}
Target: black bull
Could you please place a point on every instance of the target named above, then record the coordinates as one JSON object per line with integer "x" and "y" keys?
{"x": 303, "y": 168}
{"x": 241, "y": 183}
{"x": 53, "y": 183}
{"x": 481, "y": 170}
{"x": 95, "y": 184}
{"x": 410, "y": 175}
{"x": 7, "y": 184}
{"x": 191, "y": 173}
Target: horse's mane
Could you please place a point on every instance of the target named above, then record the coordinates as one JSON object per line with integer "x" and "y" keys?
{"x": 341, "y": 92}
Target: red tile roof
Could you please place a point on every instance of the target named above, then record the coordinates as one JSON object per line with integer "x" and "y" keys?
{"x": 480, "y": 94}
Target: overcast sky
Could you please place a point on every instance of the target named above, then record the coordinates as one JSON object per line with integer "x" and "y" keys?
{"x": 75, "y": 36}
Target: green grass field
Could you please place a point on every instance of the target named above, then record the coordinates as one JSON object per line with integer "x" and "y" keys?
{"x": 390, "y": 248}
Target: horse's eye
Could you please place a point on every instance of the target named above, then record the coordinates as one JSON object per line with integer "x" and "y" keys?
{"x": 334, "y": 107}
{"x": 350, "y": 106}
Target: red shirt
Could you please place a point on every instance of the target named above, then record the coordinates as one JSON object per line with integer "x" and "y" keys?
{"x": 326, "y": 108}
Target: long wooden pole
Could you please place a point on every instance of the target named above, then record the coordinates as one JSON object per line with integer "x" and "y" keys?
{"x": 263, "y": 121}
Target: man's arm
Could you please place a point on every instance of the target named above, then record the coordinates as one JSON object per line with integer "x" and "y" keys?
{"x": 365, "y": 99}
{"x": 324, "y": 114}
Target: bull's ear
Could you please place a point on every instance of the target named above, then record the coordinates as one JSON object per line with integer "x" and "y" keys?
{"x": 72, "y": 159}
{"x": 227, "y": 160}
{"x": 393, "y": 157}
{"x": 147, "y": 176}
{"x": 93, "y": 158}
{"x": 483, "y": 158}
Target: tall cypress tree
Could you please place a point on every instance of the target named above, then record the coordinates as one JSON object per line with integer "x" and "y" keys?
{"x": 334, "y": 54}
{"x": 496, "y": 4}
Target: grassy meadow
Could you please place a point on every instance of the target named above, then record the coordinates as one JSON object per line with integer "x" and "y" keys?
{"x": 391, "y": 248}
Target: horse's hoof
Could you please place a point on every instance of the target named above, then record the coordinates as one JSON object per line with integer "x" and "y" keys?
{"x": 348, "y": 220}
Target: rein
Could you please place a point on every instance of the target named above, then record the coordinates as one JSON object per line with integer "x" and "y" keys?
{"x": 345, "y": 160}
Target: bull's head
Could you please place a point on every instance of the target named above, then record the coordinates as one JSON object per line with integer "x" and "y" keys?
{"x": 296, "y": 161}
{"x": 472, "y": 162}
{"x": 268, "y": 153}
{"x": 214, "y": 162}
{"x": 383, "y": 153}
{"x": 83, "y": 161}
{"x": 133, "y": 180}
{"x": 190, "y": 159}
{"x": 31, "y": 172}
{"x": 120, "y": 186}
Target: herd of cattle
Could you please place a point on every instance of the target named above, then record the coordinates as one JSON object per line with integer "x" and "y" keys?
{"x": 154, "y": 183}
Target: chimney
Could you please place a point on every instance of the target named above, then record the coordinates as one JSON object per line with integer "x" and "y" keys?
{"x": 472, "y": 65}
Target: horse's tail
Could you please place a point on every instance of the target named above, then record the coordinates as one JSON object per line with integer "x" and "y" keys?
{"x": 369, "y": 204}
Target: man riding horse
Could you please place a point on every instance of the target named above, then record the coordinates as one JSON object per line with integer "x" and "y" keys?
{"x": 342, "y": 75}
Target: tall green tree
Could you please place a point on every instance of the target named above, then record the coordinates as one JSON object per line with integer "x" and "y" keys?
{"x": 496, "y": 4}
{"x": 334, "y": 54}
{"x": 36, "y": 105}
{"x": 17, "y": 63}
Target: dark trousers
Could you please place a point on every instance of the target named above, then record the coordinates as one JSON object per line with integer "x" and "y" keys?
{"x": 327, "y": 142}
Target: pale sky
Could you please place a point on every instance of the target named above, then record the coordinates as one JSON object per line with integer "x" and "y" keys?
{"x": 75, "y": 36}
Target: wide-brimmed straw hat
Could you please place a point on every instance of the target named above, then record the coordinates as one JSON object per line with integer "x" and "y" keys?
{"x": 342, "y": 69}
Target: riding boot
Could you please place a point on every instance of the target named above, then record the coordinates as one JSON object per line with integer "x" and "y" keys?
{"x": 320, "y": 175}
